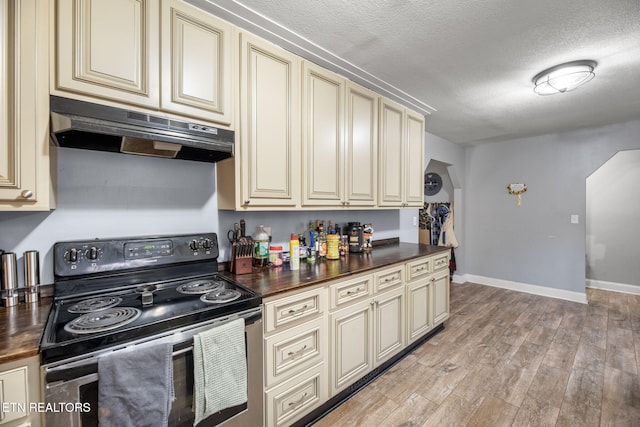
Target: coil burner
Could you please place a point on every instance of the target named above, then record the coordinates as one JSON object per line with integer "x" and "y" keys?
{"x": 94, "y": 304}
{"x": 104, "y": 320}
{"x": 200, "y": 287}
{"x": 219, "y": 297}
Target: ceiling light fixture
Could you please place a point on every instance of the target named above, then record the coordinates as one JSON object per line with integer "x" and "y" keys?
{"x": 564, "y": 77}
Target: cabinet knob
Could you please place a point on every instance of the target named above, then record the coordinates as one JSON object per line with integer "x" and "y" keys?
{"x": 246, "y": 202}
{"x": 26, "y": 193}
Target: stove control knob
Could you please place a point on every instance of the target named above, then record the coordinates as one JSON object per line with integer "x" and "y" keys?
{"x": 194, "y": 245}
{"x": 72, "y": 255}
{"x": 206, "y": 244}
{"x": 92, "y": 253}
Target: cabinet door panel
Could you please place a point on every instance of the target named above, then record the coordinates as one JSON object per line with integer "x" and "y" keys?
{"x": 440, "y": 285}
{"x": 361, "y": 146}
{"x": 351, "y": 345}
{"x": 414, "y": 180}
{"x": 322, "y": 144}
{"x": 109, "y": 49}
{"x": 418, "y": 309}
{"x": 270, "y": 124}
{"x": 391, "y": 154}
{"x": 196, "y": 63}
{"x": 389, "y": 324}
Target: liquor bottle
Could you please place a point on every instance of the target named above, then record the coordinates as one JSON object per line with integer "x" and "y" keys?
{"x": 261, "y": 252}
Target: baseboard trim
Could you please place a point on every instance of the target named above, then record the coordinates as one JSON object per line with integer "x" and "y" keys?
{"x": 613, "y": 286}
{"x": 523, "y": 287}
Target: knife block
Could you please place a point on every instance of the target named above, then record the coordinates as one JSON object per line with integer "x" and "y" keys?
{"x": 242, "y": 265}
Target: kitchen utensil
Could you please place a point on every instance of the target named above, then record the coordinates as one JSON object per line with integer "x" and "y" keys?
{"x": 31, "y": 275}
{"x": 10, "y": 279}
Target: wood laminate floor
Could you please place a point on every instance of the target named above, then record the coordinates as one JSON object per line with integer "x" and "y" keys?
{"x": 508, "y": 358}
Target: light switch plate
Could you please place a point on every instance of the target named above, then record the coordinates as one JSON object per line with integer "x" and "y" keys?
{"x": 575, "y": 219}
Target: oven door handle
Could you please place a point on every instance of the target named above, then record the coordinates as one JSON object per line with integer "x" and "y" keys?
{"x": 177, "y": 338}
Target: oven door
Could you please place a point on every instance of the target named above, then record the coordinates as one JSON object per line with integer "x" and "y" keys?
{"x": 71, "y": 387}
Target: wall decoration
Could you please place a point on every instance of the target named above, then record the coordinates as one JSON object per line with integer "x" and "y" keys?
{"x": 517, "y": 189}
{"x": 432, "y": 184}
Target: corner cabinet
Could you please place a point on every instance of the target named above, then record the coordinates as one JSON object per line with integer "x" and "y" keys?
{"x": 401, "y": 156}
{"x": 25, "y": 180}
{"x": 170, "y": 55}
{"x": 265, "y": 172}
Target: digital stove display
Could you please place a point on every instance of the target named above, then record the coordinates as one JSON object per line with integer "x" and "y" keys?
{"x": 148, "y": 249}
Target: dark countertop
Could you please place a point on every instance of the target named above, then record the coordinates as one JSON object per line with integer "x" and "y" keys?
{"x": 271, "y": 281}
{"x": 21, "y": 326}
{"x": 20, "y": 329}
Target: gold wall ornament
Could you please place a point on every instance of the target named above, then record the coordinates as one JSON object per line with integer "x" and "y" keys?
{"x": 517, "y": 189}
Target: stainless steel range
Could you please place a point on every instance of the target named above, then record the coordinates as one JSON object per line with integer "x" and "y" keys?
{"x": 114, "y": 295}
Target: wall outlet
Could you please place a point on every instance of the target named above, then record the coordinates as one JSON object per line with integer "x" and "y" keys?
{"x": 575, "y": 219}
{"x": 415, "y": 221}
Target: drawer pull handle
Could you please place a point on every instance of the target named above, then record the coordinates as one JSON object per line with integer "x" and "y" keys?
{"x": 299, "y": 401}
{"x": 419, "y": 268}
{"x": 295, "y": 354}
{"x": 353, "y": 292}
{"x": 298, "y": 311}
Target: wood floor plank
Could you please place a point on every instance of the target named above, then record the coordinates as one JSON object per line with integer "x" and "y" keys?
{"x": 442, "y": 383}
{"x": 454, "y": 411}
{"x": 584, "y": 388}
{"x": 549, "y": 385}
{"x": 621, "y": 387}
{"x": 512, "y": 383}
{"x": 573, "y": 416}
{"x": 622, "y": 359}
{"x": 535, "y": 413}
{"x": 560, "y": 355}
{"x": 589, "y": 356}
{"x": 493, "y": 412}
{"x": 414, "y": 411}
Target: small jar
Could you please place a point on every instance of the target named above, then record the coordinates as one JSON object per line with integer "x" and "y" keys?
{"x": 275, "y": 255}
{"x": 333, "y": 242}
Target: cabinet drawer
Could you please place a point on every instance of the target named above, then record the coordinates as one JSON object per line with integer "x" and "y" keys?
{"x": 345, "y": 292}
{"x": 295, "y": 398}
{"x": 419, "y": 268}
{"x": 441, "y": 261}
{"x": 291, "y": 351}
{"x": 388, "y": 278}
{"x": 13, "y": 389}
{"x": 293, "y": 309}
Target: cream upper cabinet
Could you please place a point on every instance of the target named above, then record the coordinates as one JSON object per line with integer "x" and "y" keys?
{"x": 414, "y": 160}
{"x": 401, "y": 152}
{"x": 25, "y": 181}
{"x": 322, "y": 137}
{"x": 361, "y": 146}
{"x": 167, "y": 56}
{"x": 339, "y": 141}
{"x": 108, "y": 49}
{"x": 265, "y": 172}
{"x": 196, "y": 59}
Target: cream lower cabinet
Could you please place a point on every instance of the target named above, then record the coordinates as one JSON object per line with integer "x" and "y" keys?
{"x": 295, "y": 351}
{"x": 19, "y": 387}
{"x": 164, "y": 55}
{"x": 365, "y": 332}
{"x": 427, "y": 291}
{"x": 25, "y": 164}
{"x": 265, "y": 172}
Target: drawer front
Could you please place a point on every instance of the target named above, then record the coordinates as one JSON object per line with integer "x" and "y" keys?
{"x": 293, "y": 350}
{"x": 297, "y": 397}
{"x": 441, "y": 261}
{"x": 349, "y": 291}
{"x": 294, "y": 309}
{"x": 388, "y": 278}
{"x": 419, "y": 268}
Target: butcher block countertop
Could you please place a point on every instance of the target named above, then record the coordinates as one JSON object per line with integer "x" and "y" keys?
{"x": 20, "y": 329}
{"x": 272, "y": 281}
{"x": 22, "y": 325}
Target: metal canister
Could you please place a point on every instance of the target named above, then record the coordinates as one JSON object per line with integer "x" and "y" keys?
{"x": 10, "y": 279}
{"x": 32, "y": 275}
{"x": 355, "y": 237}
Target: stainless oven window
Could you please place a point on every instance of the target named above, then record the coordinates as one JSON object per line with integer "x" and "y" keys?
{"x": 79, "y": 384}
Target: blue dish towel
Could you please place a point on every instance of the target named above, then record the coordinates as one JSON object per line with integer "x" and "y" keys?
{"x": 219, "y": 368}
{"x": 135, "y": 387}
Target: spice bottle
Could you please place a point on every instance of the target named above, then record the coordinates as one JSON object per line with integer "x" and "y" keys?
{"x": 294, "y": 252}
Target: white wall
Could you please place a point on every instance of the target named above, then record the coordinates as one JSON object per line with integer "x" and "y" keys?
{"x": 613, "y": 210}
{"x": 102, "y": 195}
{"x": 536, "y": 244}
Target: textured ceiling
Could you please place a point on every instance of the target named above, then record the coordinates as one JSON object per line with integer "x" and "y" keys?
{"x": 469, "y": 64}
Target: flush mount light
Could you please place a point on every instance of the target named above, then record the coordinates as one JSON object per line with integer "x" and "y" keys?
{"x": 564, "y": 77}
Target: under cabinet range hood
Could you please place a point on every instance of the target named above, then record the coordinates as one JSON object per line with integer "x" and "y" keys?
{"x": 79, "y": 124}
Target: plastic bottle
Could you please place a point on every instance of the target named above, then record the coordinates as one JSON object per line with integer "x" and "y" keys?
{"x": 294, "y": 252}
{"x": 261, "y": 246}
{"x": 322, "y": 241}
